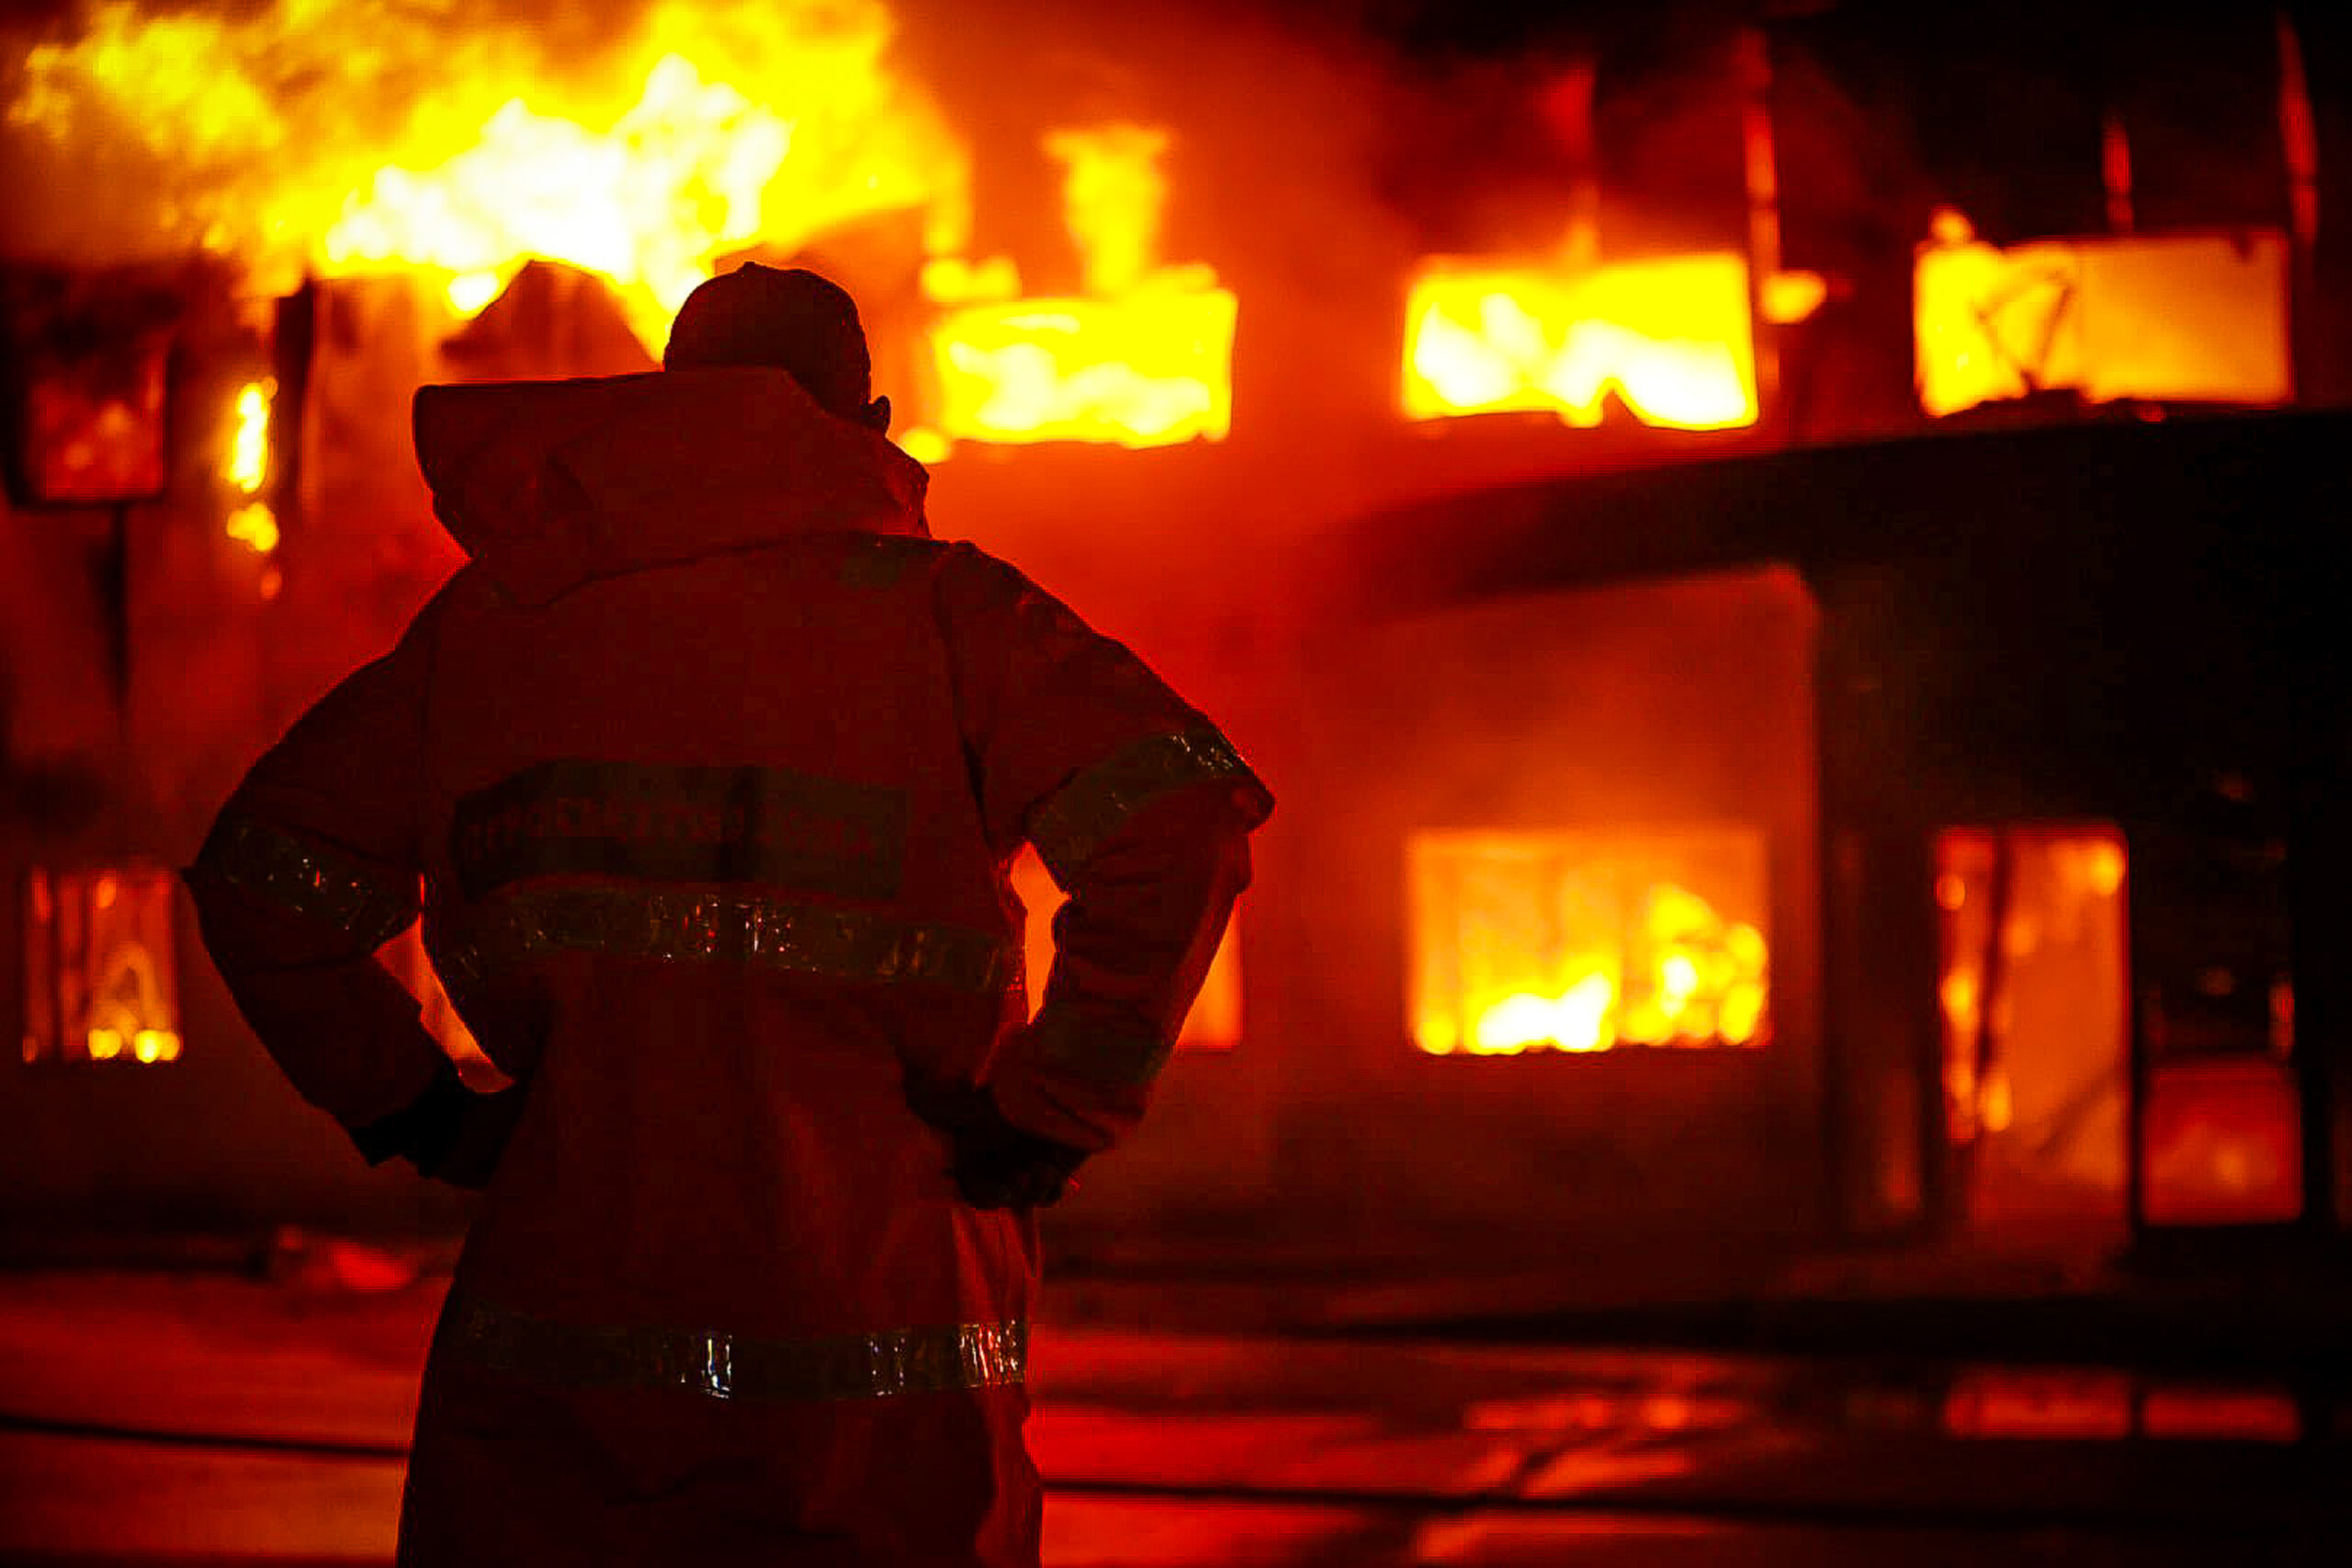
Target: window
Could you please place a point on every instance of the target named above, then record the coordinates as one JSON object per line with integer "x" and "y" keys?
{"x": 2031, "y": 990}
{"x": 1668, "y": 337}
{"x": 1586, "y": 941}
{"x": 100, "y": 984}
{"x": 2182, "y": 317}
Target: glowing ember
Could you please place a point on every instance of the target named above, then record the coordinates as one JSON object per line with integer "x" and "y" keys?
{"x": 1144, "y": 359}
{"x": 1553, "y": 941}
{"x": 2188, "y": 317}
{"x": 1671, "y": 337}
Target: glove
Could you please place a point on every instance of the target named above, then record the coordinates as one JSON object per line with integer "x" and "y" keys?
{"x": 449, "y": 1132}
{"x": 996, "y": 1165}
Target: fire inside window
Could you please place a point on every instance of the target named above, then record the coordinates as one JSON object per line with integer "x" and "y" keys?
{"x": 1143, "y": 357}
{"x": 690, "y": 170}
{"x": 100, "y": 984}
{"x": 2036, "y": 1047}
{"x": 1587, "y": 942}
{"x": 1670, "y": 338}
{"x": 2182, "y": 318}
{"x": 2030, "y": 986}
{"x": 1214, "y": 1022}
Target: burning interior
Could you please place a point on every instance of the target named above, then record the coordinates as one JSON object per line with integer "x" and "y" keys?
{"x": 100, "y": 965}
{"x": 1568, "y": 941}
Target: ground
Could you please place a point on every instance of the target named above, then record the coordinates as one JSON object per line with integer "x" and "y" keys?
{"x": 219, "y": 1417}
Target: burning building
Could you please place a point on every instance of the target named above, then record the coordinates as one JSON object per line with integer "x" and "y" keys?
{"x": 1789, "y": 662}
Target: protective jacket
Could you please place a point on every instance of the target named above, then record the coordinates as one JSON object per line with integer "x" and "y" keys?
{"x": 706, "y": 772}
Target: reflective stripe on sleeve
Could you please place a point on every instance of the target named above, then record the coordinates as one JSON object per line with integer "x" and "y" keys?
{"x": 727, "y": 1366}
{"x": 685, "y": 927}
{"x": 1078, "y": 817}
{"x": 322, "y": 885}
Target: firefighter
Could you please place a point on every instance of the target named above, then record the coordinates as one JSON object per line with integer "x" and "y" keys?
{"x": 705, "y": 772}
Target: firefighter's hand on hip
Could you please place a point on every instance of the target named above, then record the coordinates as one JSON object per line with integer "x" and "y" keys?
{"x": 995, "y": 1165}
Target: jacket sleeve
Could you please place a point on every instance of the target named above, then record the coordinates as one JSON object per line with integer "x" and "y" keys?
{"x": 312, "y": 865}
{"x": 1139, "y": 808}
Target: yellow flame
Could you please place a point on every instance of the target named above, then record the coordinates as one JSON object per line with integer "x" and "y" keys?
{"x": 248, "y": 464}
{"x": 469, "y": 293}
{"x": 253, "y": 526}
{"x": 1111, "y": 199}
{"x": 1575, "y": 1020}
{"x": 1787, "y": 298}
{"x": 1694, "y": 979}
{"x": 2186, "y": 317}
{"x": 1144, "y": 359}
{"x": 1671, "y": 337}
{"x": 348, "y": 136}
{"x": 678, "y": 176}
{"x": 925, "y": 444}
{"x": 105, "y": 1044}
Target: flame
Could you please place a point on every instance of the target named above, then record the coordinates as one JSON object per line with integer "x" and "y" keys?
{"x": 248, "y": 463}
{"x": 681, "y": 175}
{"x": 253, "y": 526}
{"x": 1111, "y": 199}
{"x": 1669, "y": 336}
{"x": 470, "y": 293}
{"x": 347, "y": 136}
{"x": 1675, "y": 973}
{"x": 684, "y": 135}
{"x": 2180, "y": 316}
{"x": 1143, "y": 358}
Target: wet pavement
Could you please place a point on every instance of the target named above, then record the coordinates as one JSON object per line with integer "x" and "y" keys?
{"x": 205, "y": 1417}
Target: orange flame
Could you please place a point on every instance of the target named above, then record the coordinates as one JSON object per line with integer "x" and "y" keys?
{"x": 1671, "y": 337}
{"x": 473, "y": 148}
{"x": 1144, "y": 359}
{"x": 1528, "y": 943}
{"x": 678, "y": 176}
